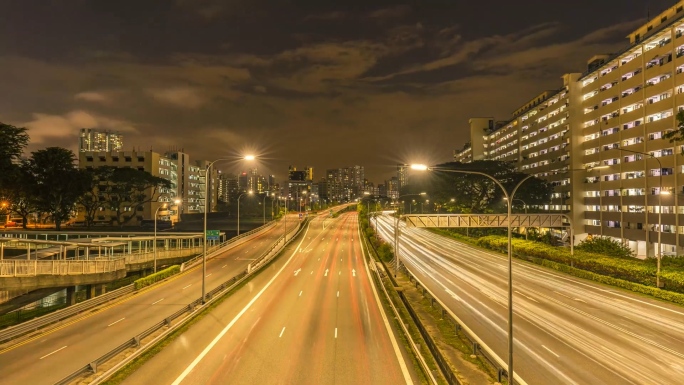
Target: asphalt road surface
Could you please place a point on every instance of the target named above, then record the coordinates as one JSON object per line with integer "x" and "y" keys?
{"x": 567, "y": 330}
{"x": 51, "y": 356}
{"x": 311, "y": 318}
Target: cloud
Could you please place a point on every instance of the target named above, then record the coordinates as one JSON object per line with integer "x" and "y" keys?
{"x": 391, "y": 12}
{"x": 326, "y": 16}
{"x": 92, "y": 97}
{"x": 63, "y": 130}
{"x": 178, "y": 96}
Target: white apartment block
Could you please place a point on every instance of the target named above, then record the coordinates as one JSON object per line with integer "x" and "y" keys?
{"x": 599, "y": 140}
{"x": 187, "y": 181}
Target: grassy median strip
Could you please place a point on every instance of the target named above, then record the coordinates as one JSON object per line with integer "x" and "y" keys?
{"x": 631, "y": 274}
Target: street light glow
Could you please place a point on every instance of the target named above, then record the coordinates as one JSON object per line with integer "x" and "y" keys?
{"x": 250, "y": 157}
{"x": 419, "y": 167}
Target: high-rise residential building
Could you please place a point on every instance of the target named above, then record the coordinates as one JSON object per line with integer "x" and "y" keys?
{"x": 392, "y": 187}
{"x": 345, "y": 184}
{"x": 92, "y": 139}
{"x": 228, "y": 187}
{"x": 402, "y": 175}
{"x": 599, "y": 140}
{"x": 187, "y": 180}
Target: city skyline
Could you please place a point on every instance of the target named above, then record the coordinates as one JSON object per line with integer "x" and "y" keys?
{"x": 340, "y": 92}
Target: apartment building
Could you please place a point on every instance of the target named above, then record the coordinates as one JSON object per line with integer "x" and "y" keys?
{"x": 599, "y": 140}
{"x": 91, "y": 139}
{"x": 187, "y": 179}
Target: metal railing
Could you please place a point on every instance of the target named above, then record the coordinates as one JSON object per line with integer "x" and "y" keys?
{"x": 21, "y": 268}
{"x": 478, "y": 345}
{"x": 397, "y": 315}
{"x": 59, "y": 315}
{"x": 38, "y": 323}
{"x": 193, "y": 308}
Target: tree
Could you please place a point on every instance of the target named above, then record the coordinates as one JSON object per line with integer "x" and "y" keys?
{"x": 606, "y": 246}
{"x": 678, "y": 134}
{"x": 477, "y": 194}
{"x": 129, "y": 189}
{"x": 13, "y": 140}
{"x": 96, "y": 180}
{"x": 57, "y": 183}
{"x": 21, "y": 196}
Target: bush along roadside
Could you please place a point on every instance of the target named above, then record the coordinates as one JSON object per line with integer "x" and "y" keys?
{"x": 153, "y": 278}
{"x": 632, "y": 274}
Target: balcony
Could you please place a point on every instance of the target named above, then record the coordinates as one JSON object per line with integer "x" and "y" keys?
{"x": 635, "y": 234}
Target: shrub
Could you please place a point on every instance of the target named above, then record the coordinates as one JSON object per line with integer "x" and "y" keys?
{"x": 606, "y": 246}
{"x": 158, "y": 276}
{"x": 631, "y": 270}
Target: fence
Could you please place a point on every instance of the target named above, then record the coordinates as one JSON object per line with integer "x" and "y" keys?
{"x": 22, "y": 268}
{"x": 194, "y": 307}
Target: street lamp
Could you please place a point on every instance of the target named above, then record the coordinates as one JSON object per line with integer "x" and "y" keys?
{"x": 524, "y": 206}
{"x": 511, "y": 373}
{"x": 207, "y": 176}
{"x": 396, "y": 233}
{"x": 164, "y": 206}
{"x": 660, "y": 210}
{"x": 238, "y": 205}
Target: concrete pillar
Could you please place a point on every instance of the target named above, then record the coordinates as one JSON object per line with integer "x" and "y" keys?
{"x": 90, "y": 291}
{"x": 71, "y": 297}
{"x": 2, "y": 251}
{"x": 28, "y": 250}
{"x": 103, "y": 289}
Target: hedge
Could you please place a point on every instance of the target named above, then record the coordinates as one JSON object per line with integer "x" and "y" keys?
{"x": 156, "y": 277}
{"x": 631, "y": 270}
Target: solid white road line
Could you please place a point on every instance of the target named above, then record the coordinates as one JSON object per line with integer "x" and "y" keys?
{"x": 300, "y": 293}
{"x": 116, "y": 322}
{"x": 528, "y": 297}
{"x": 186, "y": 287}
{"x": 49, "y": 354}
{"x": 281, "y": 332}
{"x": 335, "y": 332}
{"x": 397, "y": 352}
{"x": 338, "y": 294}
{"x": 216, "y": 339}
{"x": 550, "y": 351}
{"x": 156, "y": 302}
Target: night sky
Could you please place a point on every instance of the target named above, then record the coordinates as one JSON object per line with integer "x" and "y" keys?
{"x": 321, "y": 83}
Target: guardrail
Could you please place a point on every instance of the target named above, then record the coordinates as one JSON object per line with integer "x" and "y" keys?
{"x": 192, "y": 308}
{"x": 22, "y": 268}
{"x": 478, "y": 345}
{"x": 59, "y": 315}
{"x": 236, "y": 240}
{"x": 412, "y": 343}
{"x": 48, "y": 319}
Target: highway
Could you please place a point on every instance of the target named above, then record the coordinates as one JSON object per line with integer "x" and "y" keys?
{"x": 53, "y": 355}
{"x": 567, "y": 330}
{"x": 314, "y": 319}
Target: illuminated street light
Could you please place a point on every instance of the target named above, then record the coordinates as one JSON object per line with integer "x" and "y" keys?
{"x": 422, "y": 167}
{"x": 207, "y": 176}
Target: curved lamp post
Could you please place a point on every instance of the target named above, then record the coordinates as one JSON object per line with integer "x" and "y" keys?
{"x": 238, "y": 205}
{"x": 511, "y": 373}
{"x": 396, "y": 232}
{"x": 207, "y": 176}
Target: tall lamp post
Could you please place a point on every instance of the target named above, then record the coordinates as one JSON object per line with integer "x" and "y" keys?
{"x": 238, "y": 205}
{"x": 396, "y": 233}
{"x": 207, "y": 176}
{"x": 156, "y": 212}
{"x": 660, "y": 209}
{"x": 525, "y": 206}
{"x": 264, "y": 206}
{"x": 511, "y": 373}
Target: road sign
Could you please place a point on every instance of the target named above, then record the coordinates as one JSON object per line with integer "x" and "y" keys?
{"x": 213, "y": 235}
